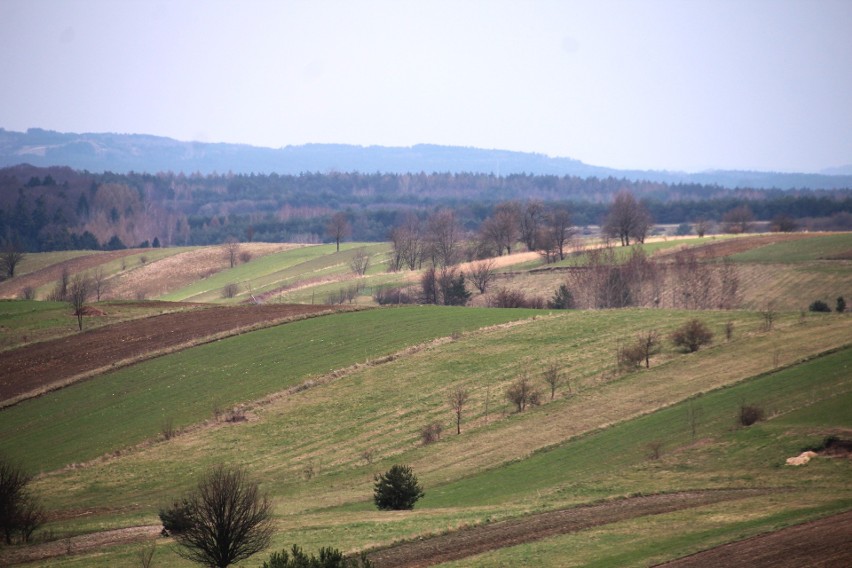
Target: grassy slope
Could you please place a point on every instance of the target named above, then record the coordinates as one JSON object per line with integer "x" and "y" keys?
{"x": 820, "y": 247}
{"x": 86, "y": 420}
{"x": 596, "y": 465}
{"x": 276, "y": 270}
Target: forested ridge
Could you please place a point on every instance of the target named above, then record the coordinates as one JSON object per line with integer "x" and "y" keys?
{"x": 59, "y": 208}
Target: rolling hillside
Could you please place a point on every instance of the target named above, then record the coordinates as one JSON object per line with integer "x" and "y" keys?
{"x": 620, "y": 467}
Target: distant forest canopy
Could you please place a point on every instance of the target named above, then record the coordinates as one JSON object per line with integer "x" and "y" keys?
{"x": 58, "y": 208}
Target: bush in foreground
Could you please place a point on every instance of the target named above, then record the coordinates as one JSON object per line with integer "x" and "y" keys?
{"x": 328, "y": 558}
{"x": 819, "y": 306}
{"x": 397, "y": 489}
{"x": 21, "y": 512}
{"x": 692, "y": 335}
{"x": 228, "y": 519}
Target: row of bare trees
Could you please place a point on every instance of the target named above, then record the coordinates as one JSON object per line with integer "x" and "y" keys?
{"x": 610, "y": 282}
{"x": 441, "y": 241}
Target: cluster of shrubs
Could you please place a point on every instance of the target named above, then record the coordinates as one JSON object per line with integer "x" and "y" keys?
{"x": 505, "y": 298}
{"x": 820, "y": 306}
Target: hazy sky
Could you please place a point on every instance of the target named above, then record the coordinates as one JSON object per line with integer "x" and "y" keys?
{"x": 683, "y": 85}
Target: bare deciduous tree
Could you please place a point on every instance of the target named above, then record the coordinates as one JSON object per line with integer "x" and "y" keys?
{"x": 553, "y": 378}
{"x": 531, "y": 221}
{"x": 627, "y": 219}
{"x": 482, "y": 274}
{"x": 230, "y": 519}
{"x": 502, "y": 228}
{"x": 444, "y": 238}
{"x": 649, "y": 344}
{"x": 78, "y": 294}
{"x": 556, "y": 233}
{"x": 231, "y": 246}
{"x": 338, "y": 228}
{"x": 738, "y": 220}
{"x": 99, "y": 282}
{"x": 457, "y": 400}
{"x": 10, "y": 257}
{"x": 522, "y": 393}
{"x": 407, "y": 244}
{"x": 360, "y": 262}
{"x": 20, "y": 511}
{"x": 702, "y": 226}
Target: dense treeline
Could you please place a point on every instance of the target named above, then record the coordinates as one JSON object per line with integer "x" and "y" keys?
{"x": 59, "y": 208}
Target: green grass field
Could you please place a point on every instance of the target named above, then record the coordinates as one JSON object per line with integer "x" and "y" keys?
{"x": 316, "y": 447}
{"x": 822, "y": 247}
{"x": 277, "y": 270}
{"x": 125, "y": 407}
{"x": 803, "y": 402}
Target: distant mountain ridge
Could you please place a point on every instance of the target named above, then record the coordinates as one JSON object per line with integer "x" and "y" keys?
{"x": 121, "y": 153}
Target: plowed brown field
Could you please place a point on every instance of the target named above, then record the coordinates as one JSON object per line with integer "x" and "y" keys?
{"x": 464, "y": 543}
{"x": 41, "y": 367}
{"x": 826, "y": 542}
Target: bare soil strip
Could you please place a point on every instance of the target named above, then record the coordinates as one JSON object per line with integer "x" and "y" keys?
{"x": 469, "y": 542}
{"x": 443, "y": 548}
{"x": 825, "y": 542}
{"x": 38, "y": 368}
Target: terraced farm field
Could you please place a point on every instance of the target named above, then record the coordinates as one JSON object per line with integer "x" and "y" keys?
{"x": 621, "y": 466}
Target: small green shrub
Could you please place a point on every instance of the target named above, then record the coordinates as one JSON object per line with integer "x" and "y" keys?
{"x": 397, "y": 489}
{"x": 562, "y": 299}
{"x": 750, "y": 414}
{"x": 177, "y": 517}
{"x": 819, "y": 306}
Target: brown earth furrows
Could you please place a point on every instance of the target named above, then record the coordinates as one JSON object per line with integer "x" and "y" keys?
{"x": 12, "y": 288}
{"x": 825, "y": 542}
{"x": 40, "y": 367}
{"x": 479, "y": 539}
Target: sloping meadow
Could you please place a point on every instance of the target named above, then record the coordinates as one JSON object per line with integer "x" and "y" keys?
{"x": 318, "y": 446}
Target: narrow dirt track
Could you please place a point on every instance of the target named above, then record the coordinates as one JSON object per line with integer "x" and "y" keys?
{"x": 826, "y": 542}
{"x": 52, "y": 364}
{"x": 479, "y": 539}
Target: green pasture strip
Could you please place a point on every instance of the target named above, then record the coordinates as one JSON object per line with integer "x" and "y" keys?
{"x": 308, "y": 448}
{"x": 254, "y": 269}
{"x": 88, "y": 419}
{"x": 382, "y": 407}
{"x": 329, "y": 265}
{"x": 816, "y": 247}
{"x": 34, "y": 261}
{"x": 627, "y": 443}
{"x": 274, "y": 270}
{"x": 653, "y": 539}
{"x": 320, "y": 293}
